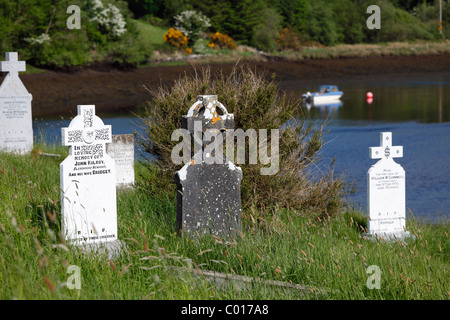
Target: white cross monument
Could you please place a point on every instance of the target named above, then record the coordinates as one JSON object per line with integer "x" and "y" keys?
{"x": 12, "y": 65}
{"x": 16, "y": 128}
{"x": 386, "y": 191}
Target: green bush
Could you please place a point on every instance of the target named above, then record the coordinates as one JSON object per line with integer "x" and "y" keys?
{"x": 349, "y": 21}
{"x": 38, "y": 31}
{"x": 266, "y": 33}
{"x": 141, "y": 8}
{"x": 398, "y": 25}
{"x": 192, "y": 23}
{"x": 256, "y": 103}
{"x": 321, "y": 26}
{"x": 62, "y": 52}
{"x": 237, "y": 19}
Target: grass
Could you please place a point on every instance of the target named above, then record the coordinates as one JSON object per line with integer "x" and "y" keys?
{"x": 31, "y": 70}
{"x": 329, "y": 256}
{"x": 243, "y": 53}
{"x": 370, "y": 50}
{"x": 150, "y": 33}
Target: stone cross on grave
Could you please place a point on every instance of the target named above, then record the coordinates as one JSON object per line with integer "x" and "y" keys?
{"x": 386, "y": 150}
{"x": 12, "y": 65}
{"x": 83, "y": 132}
{"x": 208, "y": 192}
{"x": 16, "y": 127}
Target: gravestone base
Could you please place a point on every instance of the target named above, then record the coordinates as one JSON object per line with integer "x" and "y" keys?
{"x": 109, "y": 249}
{"x": 392, "y": 236}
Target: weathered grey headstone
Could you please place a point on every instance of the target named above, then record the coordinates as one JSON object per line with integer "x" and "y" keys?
{"x": 121, "y": 149}
{"x": 208, "y": 196}
{"x": 386, "y": 191}
{"x": 16, "y": 128}
{"x": 88, "y": 182}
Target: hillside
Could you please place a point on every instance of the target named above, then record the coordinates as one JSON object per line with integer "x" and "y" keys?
{"x": 129, "y": 34}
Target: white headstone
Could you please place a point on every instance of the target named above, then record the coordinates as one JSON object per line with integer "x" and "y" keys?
{"x": 88, "y": 181}
{"x": 121, "y": 149}
{"x": 16, "y": 127}
{"x": 386, "y": 191}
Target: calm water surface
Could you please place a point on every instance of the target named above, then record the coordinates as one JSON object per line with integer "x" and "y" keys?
{"x": 415, "y": 109}
{"x": 417, "y": 112}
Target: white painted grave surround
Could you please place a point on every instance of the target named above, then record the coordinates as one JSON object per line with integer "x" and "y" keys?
{"x": 386, "y": 191}
{"x": 16, "y": 127}
{"x": 88, "y": 181}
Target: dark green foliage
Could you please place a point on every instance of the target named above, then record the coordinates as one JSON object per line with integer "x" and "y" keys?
{"x": 321, "y": 26}
{"x": 238, "y": 19}
{"x": 23, "y": 23}
{"x": 38, "y": 31}
{"x": 294, "y": 12}
{"x": 266, "y": 33}
{"x": 350, "y": 21}
{"x": 410, "y": 4}
{"x": 399, "y": 25}
{"x": 141, "y": 8}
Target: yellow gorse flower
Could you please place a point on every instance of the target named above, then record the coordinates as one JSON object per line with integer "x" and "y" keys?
{"x": 219, "y": 40}
{"x": 175, "y": 38}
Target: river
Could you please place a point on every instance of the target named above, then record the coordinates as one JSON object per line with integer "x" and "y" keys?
{"x": 414, "y": 107}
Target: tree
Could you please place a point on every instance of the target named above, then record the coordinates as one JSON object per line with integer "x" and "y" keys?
{"x": 349, "y": 21}
{"x": 410, "y": 4}
{"x": 266, "y": 33}
{"x": 321, "y": 26}
{"x": 237, "y": 19}
{"x": 146, "y": 7}
{"x": 294, "y": 12}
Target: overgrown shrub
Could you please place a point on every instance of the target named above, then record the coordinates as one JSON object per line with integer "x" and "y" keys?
{"x": 176, "y": 39}
{"x": 265, "y": 33}
{"x": 321, "y": 26}
{"x": 398, "y": 25}
{"x": 257, "y": 103}
{"x": 192, "y": 24}
{"x": 288, "y": 39}
{"x": 108, "y": 18}
{"x": 38, "y": 31}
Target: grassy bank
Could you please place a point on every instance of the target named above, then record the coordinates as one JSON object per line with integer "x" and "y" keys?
{"x": 329, "y": 258}
{"x": 371, "y": 50}
{"x": 163, "y": 57}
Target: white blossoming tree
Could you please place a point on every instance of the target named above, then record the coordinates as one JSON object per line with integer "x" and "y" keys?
{"x": 192, "y": 23}
{"x": 109, "y": 18}
{"x": 43, "y": 38}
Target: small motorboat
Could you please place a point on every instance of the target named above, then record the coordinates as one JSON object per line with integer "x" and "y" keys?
{"x": 326, "y": 94}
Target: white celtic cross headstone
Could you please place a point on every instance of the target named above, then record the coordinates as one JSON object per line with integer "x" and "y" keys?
{"x": 16, "y": 128}
{"x": 386, "y": 191}
{"x": 88, "y": 181}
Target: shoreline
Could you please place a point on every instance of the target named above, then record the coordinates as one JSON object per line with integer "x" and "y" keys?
{"x": 113, "y": 91}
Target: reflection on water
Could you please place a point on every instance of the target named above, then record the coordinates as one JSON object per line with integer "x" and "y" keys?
{"x": 395, "y": 100}
{"x": 324, "y": 108}
{"x": 418, "y": 115}
{"x": 417, "y": 112}
{"x": 425, "y": 160}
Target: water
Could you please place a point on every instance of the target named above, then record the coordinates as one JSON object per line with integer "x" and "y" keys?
{"x": 415, "y": 109}
{"x": 417, "y": 112}
{"x": 426, "y": 152}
